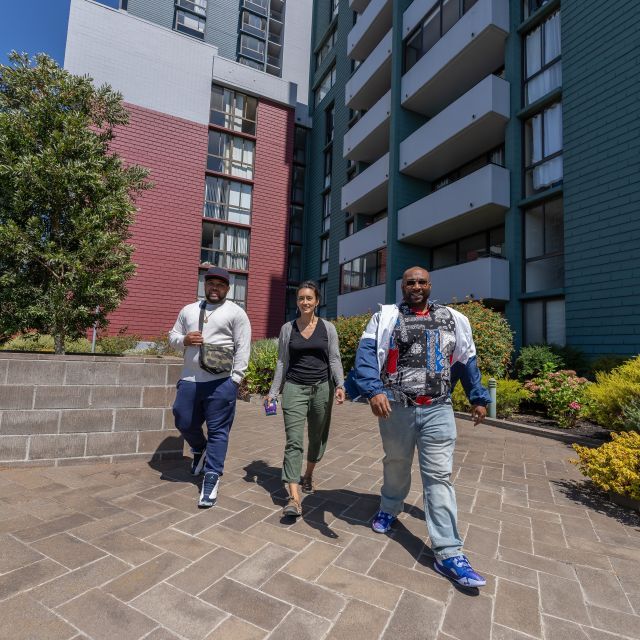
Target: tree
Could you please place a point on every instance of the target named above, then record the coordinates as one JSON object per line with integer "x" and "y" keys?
{"x": 66, "y": 201}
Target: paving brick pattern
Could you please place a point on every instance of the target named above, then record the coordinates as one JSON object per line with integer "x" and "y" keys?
{"x": 121, "y": 551}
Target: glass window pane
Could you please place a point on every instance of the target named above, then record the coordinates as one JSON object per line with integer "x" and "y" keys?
{"x": 553, "y": 228}
{"x": 534, "y": 232}
{"x": 431, "y": 30}
{"x": 543, "y": 274}
{"x": 533, "y": 322}
{"x": 445, "y": 256}
{"x": 552, "y": 39}
{"x": 496, "y": 242}
{"x": 473, "y": 247}
{"x": 533, "y": 47}
{"x": 450, "y": 14}
{"x": 556, "y": 322}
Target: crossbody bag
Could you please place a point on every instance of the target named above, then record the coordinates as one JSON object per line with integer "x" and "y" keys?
{"x": 214, "y": 358}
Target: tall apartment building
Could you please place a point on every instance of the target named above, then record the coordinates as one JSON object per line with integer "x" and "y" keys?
{"x": 217, "y": 91}
{"x": 493, "y": 141}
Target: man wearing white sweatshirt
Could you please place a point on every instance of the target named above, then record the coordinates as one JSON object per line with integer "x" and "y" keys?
{"x": 215, "y": 336}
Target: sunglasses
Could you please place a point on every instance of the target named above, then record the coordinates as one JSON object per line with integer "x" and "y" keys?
{"x": 422, "y": 283}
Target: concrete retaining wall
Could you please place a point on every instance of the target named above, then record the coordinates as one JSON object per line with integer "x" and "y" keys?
{"x": 58, "y": 410}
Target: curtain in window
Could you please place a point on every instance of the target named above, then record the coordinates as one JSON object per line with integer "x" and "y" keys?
{"x": 550, "y": 171}
{"x": 552, "y": 38}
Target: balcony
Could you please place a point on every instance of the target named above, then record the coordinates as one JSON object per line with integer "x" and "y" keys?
{"x": 469, "y": 51}
{"x": 465, "y": 129}
{"x": 482, "y": 279}
{"x": 372, "y": 78}
{"x": 371, "y": 26}
{"x": 477, "y": 201}
{"x": 363, "y": 301}
{"x": 368, "y": 239}
{"x": 367, "y": 192}
{"x": 358, "y": 5}
{"x": 368, "y": 139}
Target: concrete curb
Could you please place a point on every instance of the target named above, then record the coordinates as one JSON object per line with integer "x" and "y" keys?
{"x": 533, "y": 430}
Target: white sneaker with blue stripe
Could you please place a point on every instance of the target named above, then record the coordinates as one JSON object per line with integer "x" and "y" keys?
{"x": 209, "y": 491}
{"x": 197, "y": 464}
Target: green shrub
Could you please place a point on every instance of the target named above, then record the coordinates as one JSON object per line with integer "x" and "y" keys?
{"x": 614, "y": 466}
{"x": 607, "y": 363}
{"x": 509, "y": 396}
{"x": 349, "y": 331}
{"x": 262, "y": 366}
{"x": 160, "y": 347}
{"x": 116, "y": 345}
{"x": 573, "y": 359}
{"x": 562, "y": 394}
{"x": 631, "y": 415}
{"x": 44, "y": 343}
{"x": 492, "y": 336}
{"x": 535, "y": 360}
{"x": 613, "y": 393}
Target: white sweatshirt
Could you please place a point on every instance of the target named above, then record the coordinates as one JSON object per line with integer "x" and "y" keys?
{"x": 227, "y": 325}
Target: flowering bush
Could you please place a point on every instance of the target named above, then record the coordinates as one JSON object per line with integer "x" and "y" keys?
{"x": 614, "y": 466}
{"x": 562, "y": 393}
{"x": 492, "y": 336}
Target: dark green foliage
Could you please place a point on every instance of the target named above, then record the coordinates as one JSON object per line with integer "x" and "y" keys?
{"x": 349, "y": 331}
{"x": 492, "y": 336}
{"x": 116, "y": 345}
{"x": 607, "y": 363}
{"x": 65, "y": 201}
{"x": 572, "y": 358}
{"x": 262, "y": 366}
{"x": 536, "y": 359}
{"x": 509, "y": 396}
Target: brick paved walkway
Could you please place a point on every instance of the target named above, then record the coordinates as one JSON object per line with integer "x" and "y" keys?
{"x": 121, "y": 551}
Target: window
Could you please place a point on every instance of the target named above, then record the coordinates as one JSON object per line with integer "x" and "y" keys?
{"x": 436, "y": 23}
{"x": 544, "y": 246}
{"x": 531, "y": 6}
{"x": 297, "y": 186}
{"x": 189, "y": 24}
{"x": 324, "y": 255}
{"x": 543, "y": 149}
{"x": 224, "y": 246}
{"x": 485, "y": 244}
{"x": 233, "y": 110}
{"x": 230, "y": 154}
{"x": 196, "y": 6}
{"x": 248, "y": 62}
{"x": 329, "y": 117}
{"x": 291, "y": 304}
{"x": 252, "y": 47}
{"x": 328, "y": 155}
{"x": 495, "y": 156}
{"x": 300, "y": 145}
{"x": 367, "y": 271}
{"x": 261, "y": 6}
{"x": 328, "y": 80}
{"x": 543, "y": 68}
{"x": 544, "y": 322}
{"x": 296, "y": 219}
{"x": 350, "y": 227}
{"x": 335, "y": 6}
{"x": 237, "y": 288}
{"x": 326, "y": 211}
{"x": 322, "y": 307}
{"x": 295, "y": 263}
{"x": 253, "y": 24}
{"x": 227, "y": 200}
{"x": 327, "y": 47}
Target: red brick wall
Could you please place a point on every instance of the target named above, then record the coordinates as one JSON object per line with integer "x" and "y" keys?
{"x": 270, "y": 219}
{"x": 168, "y": 225}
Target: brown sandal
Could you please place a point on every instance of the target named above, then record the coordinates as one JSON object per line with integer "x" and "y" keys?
{"x": 292, "y": 508}
{"x": 306, "y": 484}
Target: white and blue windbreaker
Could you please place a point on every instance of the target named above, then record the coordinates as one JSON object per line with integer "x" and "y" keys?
{"x": 365, "y": 379}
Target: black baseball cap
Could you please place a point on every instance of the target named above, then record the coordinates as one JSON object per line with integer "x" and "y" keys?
{"x": 217, "y": 272}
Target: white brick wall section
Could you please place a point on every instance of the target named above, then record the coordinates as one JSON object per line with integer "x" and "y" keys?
{"x": 153, "y": 67}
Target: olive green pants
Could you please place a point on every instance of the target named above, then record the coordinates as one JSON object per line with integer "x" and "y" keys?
{"x": 312, "y": 403}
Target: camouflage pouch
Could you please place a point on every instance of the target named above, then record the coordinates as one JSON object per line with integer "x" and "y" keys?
{"x": 214, "y": 358}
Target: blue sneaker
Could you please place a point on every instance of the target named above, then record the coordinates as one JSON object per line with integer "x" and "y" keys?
{"x": 459, "y": 570}
{"x": 209, "y": 491}
{"x": 382, "y": 522}
{"x": 197, "y": 464}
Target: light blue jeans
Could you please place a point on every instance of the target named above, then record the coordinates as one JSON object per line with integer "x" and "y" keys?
{"x": 432, "y": 429}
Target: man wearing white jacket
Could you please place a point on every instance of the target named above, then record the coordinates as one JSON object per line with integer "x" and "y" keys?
{"x": 409, "y": 359}
{"x": 215, "y": 336}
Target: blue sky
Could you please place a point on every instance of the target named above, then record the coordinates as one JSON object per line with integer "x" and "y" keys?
{"x": 35, "y": 25}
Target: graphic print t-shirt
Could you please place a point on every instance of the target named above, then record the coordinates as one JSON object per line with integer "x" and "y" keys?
{"x": 419, "y": 360}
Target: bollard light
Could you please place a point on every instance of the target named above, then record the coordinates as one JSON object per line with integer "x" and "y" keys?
{"x": 493, "y": 384}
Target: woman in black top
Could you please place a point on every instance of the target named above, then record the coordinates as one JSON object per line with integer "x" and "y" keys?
{"x": 309, "y": 374}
